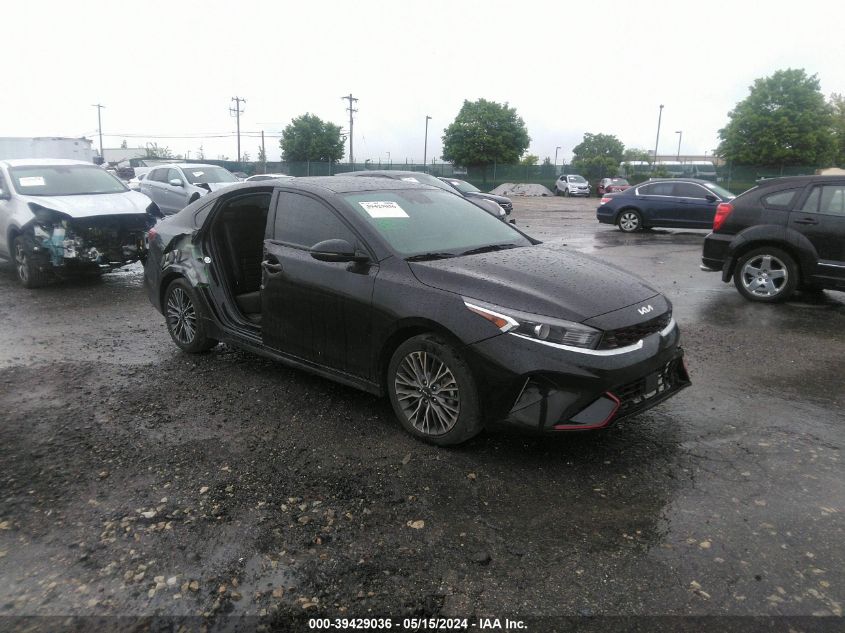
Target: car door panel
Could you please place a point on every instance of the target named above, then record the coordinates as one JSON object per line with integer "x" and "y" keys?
{"x": 317, "y": 311}
{"x": 821, "y": 219}
{"x": 694, "y": 210}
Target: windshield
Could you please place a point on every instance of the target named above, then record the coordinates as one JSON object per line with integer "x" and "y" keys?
{"x": 720, "y": 191}
{"x": 415, "y": 222}
{"x": 463, "y": 186}
{"x": 576, "y": 179}
{"x": 207, "y": 174}
{"x": 64, "y": 180}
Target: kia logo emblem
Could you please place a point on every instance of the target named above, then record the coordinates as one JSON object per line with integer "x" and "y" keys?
{"x": 645, "y": 309}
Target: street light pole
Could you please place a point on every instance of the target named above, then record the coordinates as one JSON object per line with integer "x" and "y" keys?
{"x": 680, "y": 134}
{"x": 425, "y": 143}
{"x": 657, "y": 140}
{"x": 556, "y": 150}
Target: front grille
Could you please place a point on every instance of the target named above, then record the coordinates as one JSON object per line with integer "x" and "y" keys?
{"x": 639, "y": 395}
{"x": 629, "y": 335}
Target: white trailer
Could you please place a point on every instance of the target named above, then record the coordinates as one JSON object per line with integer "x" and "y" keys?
{"x": 12, "y": 147}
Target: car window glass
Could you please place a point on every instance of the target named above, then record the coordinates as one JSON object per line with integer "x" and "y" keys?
{"x": 811, "y": 205}
{"x": 689, "y": 190}
{"x": 832, "y": 200}
{"x": 303, "y": 221}
{"x": 171, "y": 174}
{"x": 657, "y": 189}
{"x": 3, "y": 184}
{"x": 780, "y": 199}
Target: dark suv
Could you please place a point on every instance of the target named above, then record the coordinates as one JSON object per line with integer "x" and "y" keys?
{"x": 782, "y": 235}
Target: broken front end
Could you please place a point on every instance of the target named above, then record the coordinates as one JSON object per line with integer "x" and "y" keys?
{"x": 98, "y": 242}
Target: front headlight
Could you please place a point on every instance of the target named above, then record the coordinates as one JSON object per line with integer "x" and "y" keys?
{"x": 540, "y": 328}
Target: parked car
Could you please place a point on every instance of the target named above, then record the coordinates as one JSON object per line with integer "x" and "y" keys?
{"x": 572, "y": 185}
{"x": 468, "y": 190}
{"x": 172, "y": 187}
{"x": 782, "y": 235}
{"x": 492, "y": 207}
{"x": 64, "y": 217}
{"x": 240, "y": 175}
{"x": 134, "y": 183}
{"x": 682, "y": 203}
{"x": 409, "y": 291}
{"x": 610, "y": 185}
{"x": 257, "y": 177}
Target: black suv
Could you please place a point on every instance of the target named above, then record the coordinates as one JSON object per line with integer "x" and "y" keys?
{"x": 782, "y": 235}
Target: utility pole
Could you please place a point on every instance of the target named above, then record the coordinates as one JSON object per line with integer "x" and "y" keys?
{"x": 556, "y": 150}
{"x": 236, "y": 112}
{"x": 657, "y": 141}
{"x": 680, "y": 134}
{"x": 100, "y": 128}
{"x": 263, "y": 154}
{"x": 352, "y": 110}
{"x": 425, "y": 145}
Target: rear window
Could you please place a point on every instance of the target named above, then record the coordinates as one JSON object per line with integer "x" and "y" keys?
{"x": 780, "y": 199}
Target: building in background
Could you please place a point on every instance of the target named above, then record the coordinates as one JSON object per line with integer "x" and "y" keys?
{"x": 114, "y": 155}
{"x": 46, "y": 147}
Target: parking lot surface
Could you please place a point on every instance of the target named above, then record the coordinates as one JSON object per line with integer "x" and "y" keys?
{"x": 137, "y": 479}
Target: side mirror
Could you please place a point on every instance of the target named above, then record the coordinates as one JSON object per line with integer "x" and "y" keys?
{"x": 175, "y": 182}
{"x": 710, "y": 197}
{"x": 336, "y": 251}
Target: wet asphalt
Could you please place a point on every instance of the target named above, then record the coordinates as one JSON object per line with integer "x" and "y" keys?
{"x": 138, "y": 480}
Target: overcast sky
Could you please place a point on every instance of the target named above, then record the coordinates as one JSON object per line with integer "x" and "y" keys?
{"x": 171, "y": 68}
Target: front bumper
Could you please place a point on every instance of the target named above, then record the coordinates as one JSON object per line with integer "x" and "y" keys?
{"x": 539, "y": 388}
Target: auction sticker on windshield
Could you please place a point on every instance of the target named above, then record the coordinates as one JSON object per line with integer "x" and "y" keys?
{"x": 31, "y": 181}
{"x": 383, "y": 209}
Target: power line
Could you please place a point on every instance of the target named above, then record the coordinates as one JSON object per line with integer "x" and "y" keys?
{"x": 352, "y": 110}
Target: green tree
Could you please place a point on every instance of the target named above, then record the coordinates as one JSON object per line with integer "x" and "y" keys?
{"x": 154, "y": 151}
{"x": 784, "y": 120}
{"x": 529, "y": 159}
{"x": 597, "y": 156}
{"x": 547, "y": 168}
{"x": 308, "y": 137}
{"x": 636, "y": 155}
{"x": 262, "y": 155}
{"x": 837, "y": 102}
{"x": 483, "y": 133}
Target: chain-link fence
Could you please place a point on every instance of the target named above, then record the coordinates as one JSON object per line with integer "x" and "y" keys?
{"x": 736, "y": 178}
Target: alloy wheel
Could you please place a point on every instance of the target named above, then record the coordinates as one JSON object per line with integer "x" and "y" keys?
{"x": 427, "y": 393}
{"x": 181, "y": 316}
{"x": 21, "y": 263}
{"x": 629, "y": 222}
{"x": 764, "y": 275}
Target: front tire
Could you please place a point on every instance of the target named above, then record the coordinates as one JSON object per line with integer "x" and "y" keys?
{"x": 433, "y": 392}
{"x": 29, "y": 272}
{"x": 183, "y": 313}
{"x": 629, "y": 221}
{"x": 766, "y": 274}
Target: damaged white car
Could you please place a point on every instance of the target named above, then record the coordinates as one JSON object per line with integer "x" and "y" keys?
{"x": 60, "y": 218}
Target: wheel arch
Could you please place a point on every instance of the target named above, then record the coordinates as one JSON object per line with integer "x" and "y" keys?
{"x": 628, "y": 207}
{"x": 404, "y": 331}
{"x": 793, "y": 243}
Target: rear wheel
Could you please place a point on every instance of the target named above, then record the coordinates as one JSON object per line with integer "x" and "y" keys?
{"x": 27, "y": 265}
{"x": 433, "y": 392}
{"x": 629, "y": 221}
{"x": 766, "y": 274}
{"x": 183, "y": 313}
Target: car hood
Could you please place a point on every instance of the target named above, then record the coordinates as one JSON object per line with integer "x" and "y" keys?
{"x": 86, "y": 206}
{"x": 489, "y": 196}
{"x": 537, "y": 279}
{"x": 577, "y": 184}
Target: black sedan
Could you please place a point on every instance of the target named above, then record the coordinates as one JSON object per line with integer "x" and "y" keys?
{"x": 409, "y": 291}
{"x": 471, "y": 191}
{"x": 683, "y": 203}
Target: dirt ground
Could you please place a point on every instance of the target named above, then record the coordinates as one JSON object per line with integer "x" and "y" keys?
{"x": 138, "y": 480}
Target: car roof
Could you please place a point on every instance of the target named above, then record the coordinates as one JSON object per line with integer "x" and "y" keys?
{"x": 34, "y": 162}
{"x": 399, "y": 173}
{"x": 699, "y": 181}
{"x": 187, "y": 165}
{"x": 797, "y": 180}
{"x": 349, "y": 184}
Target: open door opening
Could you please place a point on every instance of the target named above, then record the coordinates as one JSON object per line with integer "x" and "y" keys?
{"x": 238, "y": 237}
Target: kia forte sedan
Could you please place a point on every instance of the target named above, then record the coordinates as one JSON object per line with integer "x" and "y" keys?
{"x": 412, "y": 292}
